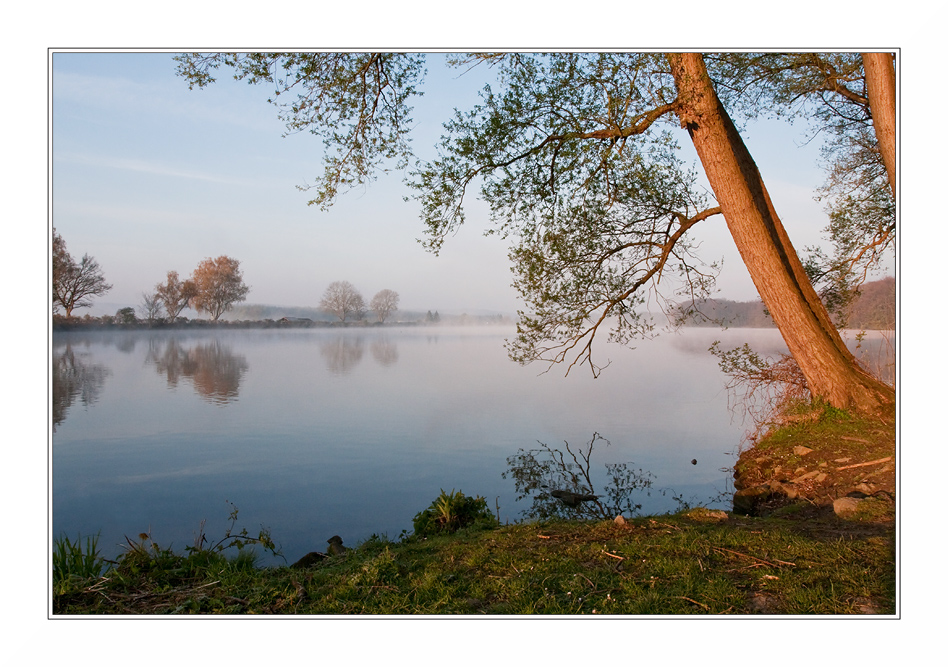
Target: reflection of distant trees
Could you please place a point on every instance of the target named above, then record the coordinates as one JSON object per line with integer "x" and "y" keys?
{"x": 384, "y": 351}
{"x": 211, "y": 367}
{"x": 74, "y": 379}
{"x": 342, "y": 354}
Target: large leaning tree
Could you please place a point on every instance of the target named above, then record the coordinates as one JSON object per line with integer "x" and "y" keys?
{"x": 218, "y": 284}
{"x": 576, "y": 154}
{"x": 74, "y": 283}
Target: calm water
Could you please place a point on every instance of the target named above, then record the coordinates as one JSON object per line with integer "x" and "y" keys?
{"x": 317, "y": 432}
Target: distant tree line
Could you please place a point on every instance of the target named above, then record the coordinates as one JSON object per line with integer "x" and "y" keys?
{"x": 871, "y": 308}
{"x": 213, "y": 288}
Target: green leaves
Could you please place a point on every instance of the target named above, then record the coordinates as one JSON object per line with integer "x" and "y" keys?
{"x": 450, "y": 512}
{"x": 358, "y": 103}
{"x": 572, "y": 159}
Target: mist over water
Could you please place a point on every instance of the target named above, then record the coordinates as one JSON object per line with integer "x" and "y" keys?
{"x": 316, "y": 432}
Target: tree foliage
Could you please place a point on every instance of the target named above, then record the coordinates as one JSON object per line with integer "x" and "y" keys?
{"x": 575, "y": 154}
{"x": 829, "y": 90}
{"x": 342, "y": 300}
{"x": 175, "y": 294}
{"x": 582, "y": 175}
{"x": 218, "y": 284}
{"x": 74, "y": 284}
{"x": 356, "y": 102}
{"x": 384, "y": 303}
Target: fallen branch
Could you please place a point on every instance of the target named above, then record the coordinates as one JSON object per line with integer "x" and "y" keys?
{"x": 867, "y": 463}
{"x": 761, "y": 560}
{"x": 682, "y": 597}
{"x": 613, "y": 555}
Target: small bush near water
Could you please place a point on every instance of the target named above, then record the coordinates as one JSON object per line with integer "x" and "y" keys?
{"x": 452, "y": 511}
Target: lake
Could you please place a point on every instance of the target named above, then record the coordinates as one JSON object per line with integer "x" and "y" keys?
{"x": 316, "y": 432}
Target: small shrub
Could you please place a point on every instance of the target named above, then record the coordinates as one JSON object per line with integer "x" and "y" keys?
{"x": 540, "y": 473}
{"x": 452, "y": 511}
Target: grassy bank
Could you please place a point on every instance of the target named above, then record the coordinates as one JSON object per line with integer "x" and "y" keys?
{"x": 687, "y": 563}
{"x": 799, "y": 559}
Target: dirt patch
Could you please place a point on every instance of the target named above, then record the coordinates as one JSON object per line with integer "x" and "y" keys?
{"x": 819, "y": 460}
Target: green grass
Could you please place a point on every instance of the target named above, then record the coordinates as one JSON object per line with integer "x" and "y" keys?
{"x": 654, "y": 565}
{"x": 75, "y": 562}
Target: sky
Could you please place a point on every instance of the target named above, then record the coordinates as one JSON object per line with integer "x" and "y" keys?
{"x": 149, "y": 176}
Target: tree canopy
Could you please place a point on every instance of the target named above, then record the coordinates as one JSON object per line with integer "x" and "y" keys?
{"x": 342, "y": 299}
{"x": 218, "y": 284}
{"x": 576, "y": 154}
{"x": 74, "y": 284}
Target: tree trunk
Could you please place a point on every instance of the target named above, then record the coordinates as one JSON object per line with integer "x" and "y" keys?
{"x": 880, "y": 88}
{"x": 831, "y": 371}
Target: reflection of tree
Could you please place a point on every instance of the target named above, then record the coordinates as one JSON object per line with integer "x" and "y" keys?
{"x": 73, "y": 379}
{"x": 384, "y": 351}
{"x": 342, "y": 354}
{"x": 212, "y": 368}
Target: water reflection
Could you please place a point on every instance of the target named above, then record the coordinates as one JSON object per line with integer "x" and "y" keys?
{"x": 73, "y": 379}
{"x": 342, "y": 354}
{"x": 213, "y": 369}
{"x": 385, "y": 352}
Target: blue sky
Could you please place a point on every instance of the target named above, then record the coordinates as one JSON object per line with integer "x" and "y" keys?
{"x": 149, "y": 176}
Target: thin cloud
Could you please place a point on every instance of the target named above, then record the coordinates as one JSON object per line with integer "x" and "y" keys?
{"x": 144, "y": 166}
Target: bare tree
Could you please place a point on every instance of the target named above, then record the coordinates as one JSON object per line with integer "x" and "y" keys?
{"x": 75, "y": 284}
{"x": 219, "y": 284}
{"x": 384, "y": 304}
{"x": 342, "y": 299}
{"x": 175, "y": 294}
{"x": 150, "y": 307}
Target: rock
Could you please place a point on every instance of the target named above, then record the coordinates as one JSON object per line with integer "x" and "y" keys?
{"x": 335, "y": 546}
{"x": 845, "y": 507}
{"x": 708, "y": 516}
{"x": 750, "y": 501}
{"x": 308, "y": 560}
{"x": 571, "y": 499}
{"x": 800, "y": 450}
{"x": 620, "y": 520}
{"x": 813, "y": 474}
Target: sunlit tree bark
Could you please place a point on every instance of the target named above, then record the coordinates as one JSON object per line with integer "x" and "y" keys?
{"x": 880, "y": 86}
{"x": 831, "y": 371}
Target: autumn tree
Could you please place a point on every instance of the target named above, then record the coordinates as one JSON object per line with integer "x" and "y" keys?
{"x": 576, "y": 154}
{"x": 342, "y": 300}
{"x": 175, "y": 294}
{"x": 218, "y": 284}
{"x": 384, "y": 304}
{"x": 74, "y": 284}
